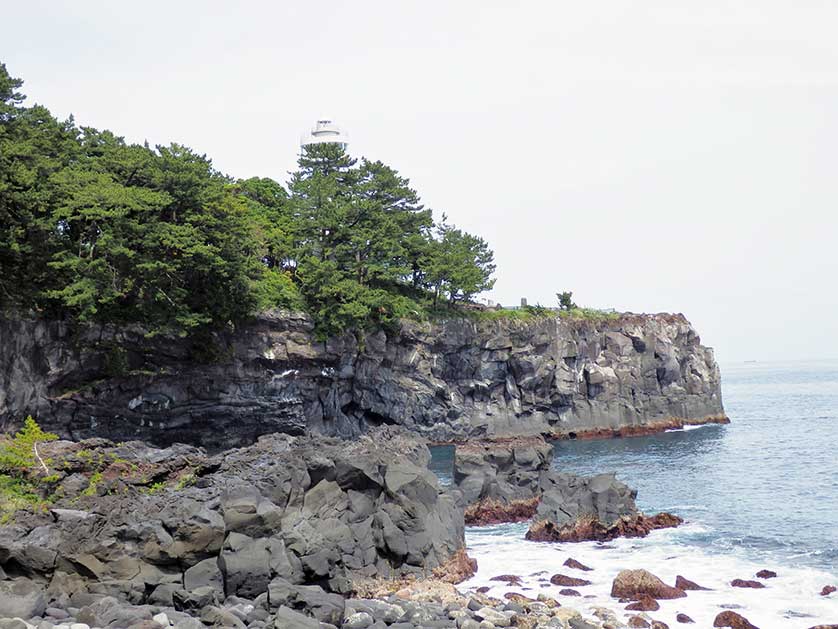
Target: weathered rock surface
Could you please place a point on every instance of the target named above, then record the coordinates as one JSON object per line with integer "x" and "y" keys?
{"x": 284, "y": 517}
{"x": 682, "y": 583}
{"x": 452, "y": 380}
{"x": 504, "y": 470}
{"x": 588, "y": 528}
{"x": 637, "y": 584}
{"x": 510, "y": 480}
{"x": 597, "y": 508}
{"x": 732, "y": 620}
{"x": 567, "y": 498}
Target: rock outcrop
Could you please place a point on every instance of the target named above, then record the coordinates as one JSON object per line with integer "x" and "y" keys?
{"x": 511, "y": 480}
{"x": 451, "y": 380}
{"x": 638, "y": 584}
{"x": 505, "y": 469}
{"x": 567, "y": 498}
{"x": 275, "y": 520}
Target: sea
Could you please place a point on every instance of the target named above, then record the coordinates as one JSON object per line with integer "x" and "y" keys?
{"x": 758, "y": 493}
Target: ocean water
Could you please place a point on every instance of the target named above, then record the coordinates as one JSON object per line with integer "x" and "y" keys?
{"x": 759, "y": 493}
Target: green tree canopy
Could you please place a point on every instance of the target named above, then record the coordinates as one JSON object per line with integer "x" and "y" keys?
{"x": 98, "y": 229}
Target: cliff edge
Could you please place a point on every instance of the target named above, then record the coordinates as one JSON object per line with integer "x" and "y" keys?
{"x": 450, "y": 380}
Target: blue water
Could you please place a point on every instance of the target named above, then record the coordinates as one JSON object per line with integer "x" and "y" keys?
{"x": 765, "y": 486}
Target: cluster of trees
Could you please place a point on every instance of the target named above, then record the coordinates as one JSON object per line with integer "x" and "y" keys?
{"x": 94, "y": 228}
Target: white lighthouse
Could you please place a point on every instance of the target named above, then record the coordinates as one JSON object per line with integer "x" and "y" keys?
{"x": 325, "y": 132}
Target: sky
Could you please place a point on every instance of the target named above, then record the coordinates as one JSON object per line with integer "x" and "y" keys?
{"x": 673, "y": 156}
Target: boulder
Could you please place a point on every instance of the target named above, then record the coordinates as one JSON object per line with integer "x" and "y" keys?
{"x": 732, "y": 620}
{"x": 682, "y": 583}
{"x": 324, "y": 606}
{"x": 562, "y": 579}
{"x": 766, "y": 574}
{"x": 21, "y": 598}
{"x": 287, "y": 618}
{"x": 744, "y": 583}
{"x": 572, "y": 563}
{"x": 684, "y": 619}
{"x": 828, "y": 589}
{"x": 205, "y": 573}
{"x": 633, "y": 584}
{"x": 644, "y": 604}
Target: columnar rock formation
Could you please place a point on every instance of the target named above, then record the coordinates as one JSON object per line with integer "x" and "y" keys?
{"x": 511, "y": 480}
{"x": 174, "y": 526}
{"x": 451, "y": 380}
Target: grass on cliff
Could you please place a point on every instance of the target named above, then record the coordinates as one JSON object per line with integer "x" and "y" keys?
{"x": 529, "y": 313}
{"x": 589, "y": 314}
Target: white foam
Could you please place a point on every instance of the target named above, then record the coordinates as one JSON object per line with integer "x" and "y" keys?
{"x": 790, "y": 601}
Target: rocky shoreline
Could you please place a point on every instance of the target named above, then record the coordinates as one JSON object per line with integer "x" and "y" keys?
{"x": 300, "y": 532}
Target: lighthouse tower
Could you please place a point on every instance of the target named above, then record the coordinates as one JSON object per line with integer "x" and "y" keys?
{"x": 324, "y": 132}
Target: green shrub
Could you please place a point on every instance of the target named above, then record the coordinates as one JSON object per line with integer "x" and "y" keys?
{"x": 19, "y": 455}
{"x": 20, "y": 465}
{"x": 589, "y": 314}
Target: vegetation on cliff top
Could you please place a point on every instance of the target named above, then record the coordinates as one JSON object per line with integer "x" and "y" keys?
{"x": 97, "y": 229}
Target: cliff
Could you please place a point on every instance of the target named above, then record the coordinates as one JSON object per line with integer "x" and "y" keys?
{"x": 450, "y": 380}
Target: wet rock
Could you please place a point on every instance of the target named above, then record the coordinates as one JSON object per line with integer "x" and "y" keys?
{"x": 569, "y": 592}
{"x": 633, "y": 584}
{"x": 684, "y": 619}
{"x": 659, "y": 624}
{"x": 572, "y": 563}
{"x": 766, "y": 574}
{"x": 828, "y": 589}
{"x": 491, "y": 511}
{"x": 682, "y": 583}
{"x": 732, "y": 620}
{"x": 512, "y": 579}
{"x": 638, "y": 621}
{"x": 744, "y": 583}
{"x": 562, "y": 579}
{"x": 588, "y": 528}
{"x": 644, "y": 604}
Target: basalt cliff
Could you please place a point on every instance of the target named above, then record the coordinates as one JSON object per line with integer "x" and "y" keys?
{"x": 449, "y": 381}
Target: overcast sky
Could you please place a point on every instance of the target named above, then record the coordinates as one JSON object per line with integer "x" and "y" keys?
{"x": 649, "y": 156}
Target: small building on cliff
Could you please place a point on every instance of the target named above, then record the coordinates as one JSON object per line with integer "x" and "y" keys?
{"x": 325, "y": 132}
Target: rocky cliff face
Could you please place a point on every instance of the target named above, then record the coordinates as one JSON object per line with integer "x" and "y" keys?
{"x": 452, "y": 380}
